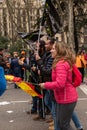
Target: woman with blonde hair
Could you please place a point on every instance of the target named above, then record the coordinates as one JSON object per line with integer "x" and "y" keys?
{"x": 64, "y": 91}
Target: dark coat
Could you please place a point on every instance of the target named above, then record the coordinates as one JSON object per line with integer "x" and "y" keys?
{"x": 45, "y": 66}
{"x": 15, "y": 67}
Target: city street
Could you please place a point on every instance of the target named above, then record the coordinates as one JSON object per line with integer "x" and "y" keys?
{"x": 14, "y": 103}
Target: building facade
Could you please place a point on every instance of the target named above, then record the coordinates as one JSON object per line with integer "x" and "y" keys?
{"x": 19, "y": 16}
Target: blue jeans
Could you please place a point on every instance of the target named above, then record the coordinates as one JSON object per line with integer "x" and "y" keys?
{"x": 47, "y": 100}
{"x": 53, "y": 111}
{"x": 34, "y": 106}
{"x": 76, "y": 120}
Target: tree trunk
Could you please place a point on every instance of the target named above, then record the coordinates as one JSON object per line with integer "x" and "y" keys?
{"x": 28, "y": 9}
{"x": 71, "y": 25}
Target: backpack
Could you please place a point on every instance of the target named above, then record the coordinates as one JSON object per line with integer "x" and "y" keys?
{"x": 2, "y": 81}
{"x": 76, "y": 76}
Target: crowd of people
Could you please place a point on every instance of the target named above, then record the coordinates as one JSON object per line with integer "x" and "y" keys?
{"x": 10, "y": 64}
{"x": 50, "y": 68}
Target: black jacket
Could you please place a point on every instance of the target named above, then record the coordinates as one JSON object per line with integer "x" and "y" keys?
{"x": 45, "y": 66}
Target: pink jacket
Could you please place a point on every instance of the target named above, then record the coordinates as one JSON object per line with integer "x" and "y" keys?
{"x": 61, "y": 84}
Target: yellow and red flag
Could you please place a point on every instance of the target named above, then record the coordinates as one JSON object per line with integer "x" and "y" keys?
{"x": 25, "y": 86}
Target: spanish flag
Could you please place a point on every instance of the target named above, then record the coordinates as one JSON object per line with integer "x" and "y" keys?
{"x": 25, "y": 86}
{"x": 28, "y": 88}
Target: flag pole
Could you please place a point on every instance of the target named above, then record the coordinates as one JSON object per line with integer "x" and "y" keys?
{"x": 37, "y": 51}
{"x": 43, "y": 104}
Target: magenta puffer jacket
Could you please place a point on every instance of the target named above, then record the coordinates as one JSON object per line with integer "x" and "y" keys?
{"x": 61, "y": 84}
